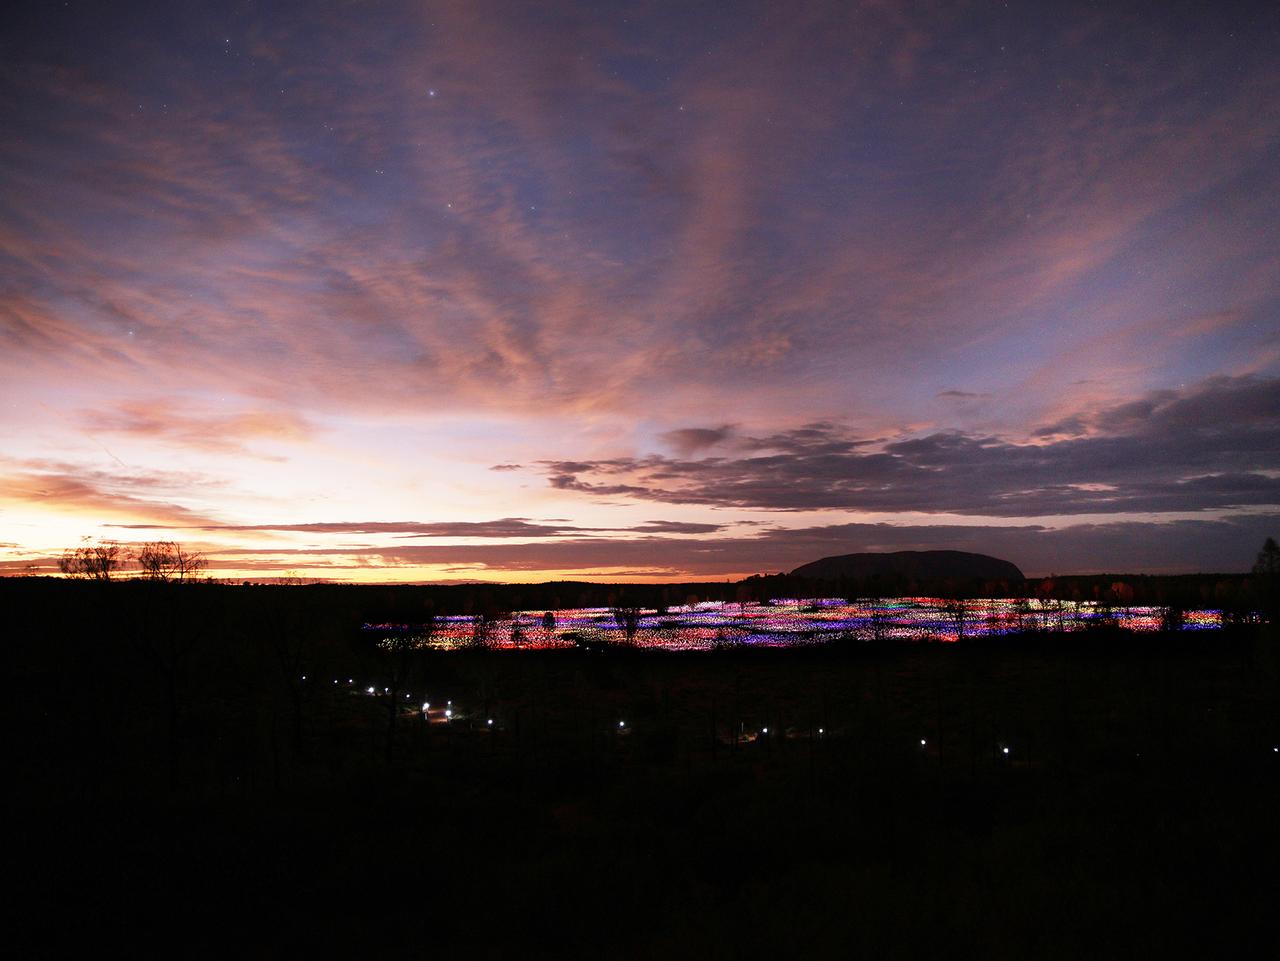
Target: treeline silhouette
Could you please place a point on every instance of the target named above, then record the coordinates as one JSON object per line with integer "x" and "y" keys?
{"x": 200, "y": 769}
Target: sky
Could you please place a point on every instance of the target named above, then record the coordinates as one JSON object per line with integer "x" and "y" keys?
{"x": 639, "y": 291}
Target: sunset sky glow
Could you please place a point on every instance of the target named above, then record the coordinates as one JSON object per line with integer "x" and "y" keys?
{"x": 640, "y": 291}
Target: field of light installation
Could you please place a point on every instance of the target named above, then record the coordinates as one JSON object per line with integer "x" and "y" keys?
{"x": 786, "y": 622}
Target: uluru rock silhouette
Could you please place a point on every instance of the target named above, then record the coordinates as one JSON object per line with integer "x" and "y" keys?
{"x": 917, "y": 564}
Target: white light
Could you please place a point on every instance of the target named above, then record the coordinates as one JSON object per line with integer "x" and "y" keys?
{"x": 370, "y": 690}
{"x": 764, "y": 730}
{"x": 425, "y": 707}
{"x": 1005, "y": 750}
{"x": 448, "y": 713}
{"x": 304, "y": 677}
{"x": 922, "y": 742}
{"x": 349, "y": 681}
{"x": 490, "y": 721}
{"x": 822, "y": 730}
{"x": 622, "y": 724}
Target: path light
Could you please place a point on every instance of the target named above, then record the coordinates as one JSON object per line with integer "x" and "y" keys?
{"x": 304, "y": 677}
{"x": 622, "y": 724}
{"x": 489, "y": 722}
{"x": 822, "y": 730}
{"x": 1004, "y": 750}
{"x": 370, "y": 691}
{"x": 350, "y": 681}
{"x": 922, "y": 742}
{"x": 764, "y": 730}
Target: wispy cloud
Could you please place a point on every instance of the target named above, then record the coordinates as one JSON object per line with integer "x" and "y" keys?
{"x": 221, "y": 433}
{"x": 151, "y": 498}
{"x": 841, "y": 257}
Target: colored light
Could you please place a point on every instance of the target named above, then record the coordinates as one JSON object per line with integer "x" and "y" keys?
{"x": 792, "y": 622}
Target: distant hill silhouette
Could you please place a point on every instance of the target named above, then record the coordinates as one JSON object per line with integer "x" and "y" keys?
{"x": 915, "y": 564}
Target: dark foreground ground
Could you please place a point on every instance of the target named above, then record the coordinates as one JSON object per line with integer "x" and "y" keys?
{"x": 180, "y": 792}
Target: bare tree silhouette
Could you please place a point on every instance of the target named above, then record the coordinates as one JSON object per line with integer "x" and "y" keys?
{"x": 483, "y": 630}
{"x": 628, "y": 621}
{"x": 168, "y": 561}
{"x": 879, "y": 620}
{"x": 1268, "y": 561}
{"x": 92, "y": 561}
{"x": 959, "y": 615}
{"x": 1266, "y": 570}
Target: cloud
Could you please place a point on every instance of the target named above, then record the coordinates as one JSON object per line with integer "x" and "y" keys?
{"x": 158, "y": 420}
{"x": 690, "y": 440}
{"x": 760, "y": 210}
{"x": 774, "y": 239}
{"x": 507, "y": 527}
{"x": 1225, "y": 545}
{"x": 147, "y": 497}
{"x": 1215, "y": 445}
{"x": 676, "y": 527}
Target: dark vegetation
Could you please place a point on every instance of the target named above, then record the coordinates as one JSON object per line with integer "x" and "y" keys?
{"x": 180, "y": 790}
